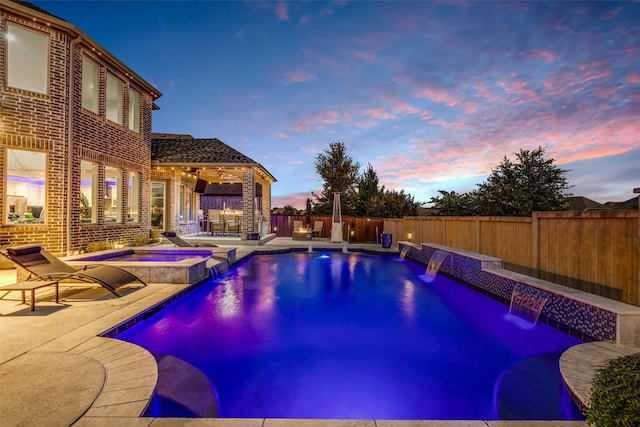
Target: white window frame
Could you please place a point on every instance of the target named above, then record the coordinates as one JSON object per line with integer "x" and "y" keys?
{"x": 134, "y": 110}
{"x": 27, "y": 59}
{"x": 25, "y": 189}
{"x": 133, "y": 200}
{"x": 89, "y": 171}
{"x": 113, "y": 202}
{"x": 90, "y": 85}
{"x": 115, "y": 99}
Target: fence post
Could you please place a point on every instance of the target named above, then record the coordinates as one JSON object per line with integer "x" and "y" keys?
{"x": 535, "y": 241}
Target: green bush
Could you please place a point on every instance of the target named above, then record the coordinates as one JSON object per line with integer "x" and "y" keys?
{"x": 97, "y": 246}
{"x": 140, "y": 241}
{"x": 615, "y": 394}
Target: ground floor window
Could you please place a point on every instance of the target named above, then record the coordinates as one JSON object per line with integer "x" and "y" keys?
{"x": 88, "y": 192}
{"x": 157, "y": 204}
{"x": 133, "y": 210}
{"x": 112, "y": 194}
{"x": 26, "y": 187}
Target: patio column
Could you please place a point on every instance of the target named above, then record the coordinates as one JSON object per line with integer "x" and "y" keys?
{"x": 248, "y": 200}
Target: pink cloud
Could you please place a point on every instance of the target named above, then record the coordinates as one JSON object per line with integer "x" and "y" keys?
{"x": 299, "y": 76}
{"x": 633, "y": 78}
{"x": 470, "y": 107}
{"x": 282, "y": 11}
{"x": 593, "y": 71}
{"x": 559, "y": 83}
{"x": 606, "y": 92}
{"x": 317, "y": 120}
{"x": 438, "y": 95}
{"x": 519, "y": 88}
{"x": 378, "y": 113}
{"x": 546, "y": 55}
{"x": 400, "y": 107}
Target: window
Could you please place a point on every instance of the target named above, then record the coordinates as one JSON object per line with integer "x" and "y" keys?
{"x": 26, "y": 187}
{"x": 88, "y": 192}
{"x": 90, "y": 85}
{"x": 186, "y": 203}
{"x": 27, "y": 59}
{"x": 112, "y": 194}
{"x": 134, "y": 110}
{"x": 114, "y": 99}
{"x": 133, "y": 210}
{"x": 157, "y": 204}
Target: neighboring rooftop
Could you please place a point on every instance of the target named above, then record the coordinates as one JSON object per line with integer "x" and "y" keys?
{"x": 579, "y": 203}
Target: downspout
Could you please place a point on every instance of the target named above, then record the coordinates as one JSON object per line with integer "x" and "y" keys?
{"x": 70, "y": 159}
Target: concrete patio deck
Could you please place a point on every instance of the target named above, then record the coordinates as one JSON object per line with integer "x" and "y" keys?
{"x": 56, "y": 371}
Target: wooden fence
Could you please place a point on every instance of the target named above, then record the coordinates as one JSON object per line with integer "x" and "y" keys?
{"x": 594, "y": 251}
{"x": 354, "y": 229}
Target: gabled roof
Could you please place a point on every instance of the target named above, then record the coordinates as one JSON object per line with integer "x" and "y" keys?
{"x": 185, "y": 149}
{"x": 579, "y": 203}
{"x": 632, "y": 203}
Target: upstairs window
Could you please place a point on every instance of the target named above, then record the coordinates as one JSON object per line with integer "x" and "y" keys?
{"x": 134, "y": 110}
{"x": 27, "y": 59}
{"x": 115, "y": 102}
{"x": 90, "y": 85}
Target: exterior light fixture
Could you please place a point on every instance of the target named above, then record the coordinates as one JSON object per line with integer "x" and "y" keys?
{"x": 409, "y": 235}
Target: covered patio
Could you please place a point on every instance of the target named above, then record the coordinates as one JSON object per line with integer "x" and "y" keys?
{"x": 205, "y": 186}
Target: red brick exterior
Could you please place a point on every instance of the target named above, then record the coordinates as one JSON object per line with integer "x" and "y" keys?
{"x": 44, "y": 122}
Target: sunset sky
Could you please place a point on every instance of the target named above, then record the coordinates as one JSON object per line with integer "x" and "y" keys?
{"x": 432, "y": 94}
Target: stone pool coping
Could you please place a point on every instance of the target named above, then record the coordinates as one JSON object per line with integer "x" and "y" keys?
{"x": 73, "y": 326}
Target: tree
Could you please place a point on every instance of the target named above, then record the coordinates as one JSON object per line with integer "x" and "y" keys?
{"x": 455, "y": 204}
{"x": 532, "y": 183}
{"x": 392, "y": 204}
{"x": 290, "y": 210}
{"x": 340, "y": 174}
{"x": 367, "y": 188}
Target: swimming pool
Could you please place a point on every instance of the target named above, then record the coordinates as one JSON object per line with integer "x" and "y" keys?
{"x": 334, "y": 335}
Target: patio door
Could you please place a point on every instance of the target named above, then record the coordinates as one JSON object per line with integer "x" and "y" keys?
{"x": 158, "y": 198}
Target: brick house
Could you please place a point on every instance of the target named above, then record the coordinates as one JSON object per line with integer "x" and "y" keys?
{"x": 75, "y": 141}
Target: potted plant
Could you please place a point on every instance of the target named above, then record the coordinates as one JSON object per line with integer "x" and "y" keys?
{"x": 386, "y": 239}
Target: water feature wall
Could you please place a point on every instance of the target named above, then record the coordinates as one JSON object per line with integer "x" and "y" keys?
{"x": 436, "y": 260}
{"x": 526, "y": 303}
{"x": 586, "y": 316}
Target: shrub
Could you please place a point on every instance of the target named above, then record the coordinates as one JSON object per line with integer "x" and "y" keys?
{"x": 140, "y": 241}
{"x": 615, "y": 394}
{"x": 97, "y": 246}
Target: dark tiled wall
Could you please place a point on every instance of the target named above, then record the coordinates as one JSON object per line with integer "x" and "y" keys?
{"x": 584, "y": 321}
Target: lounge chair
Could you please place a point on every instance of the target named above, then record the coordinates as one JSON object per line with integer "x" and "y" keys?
{"x": 41, "y": 265}
{"x": 176, "y": 240}
{"x": 317, "y": 228}
{"x": 297, "y": 225}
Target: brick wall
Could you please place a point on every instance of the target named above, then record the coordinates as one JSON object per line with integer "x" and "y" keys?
{"x": 42, "y": 122}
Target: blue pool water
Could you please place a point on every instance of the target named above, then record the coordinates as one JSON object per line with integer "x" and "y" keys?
{"x": 335, "y": 335}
